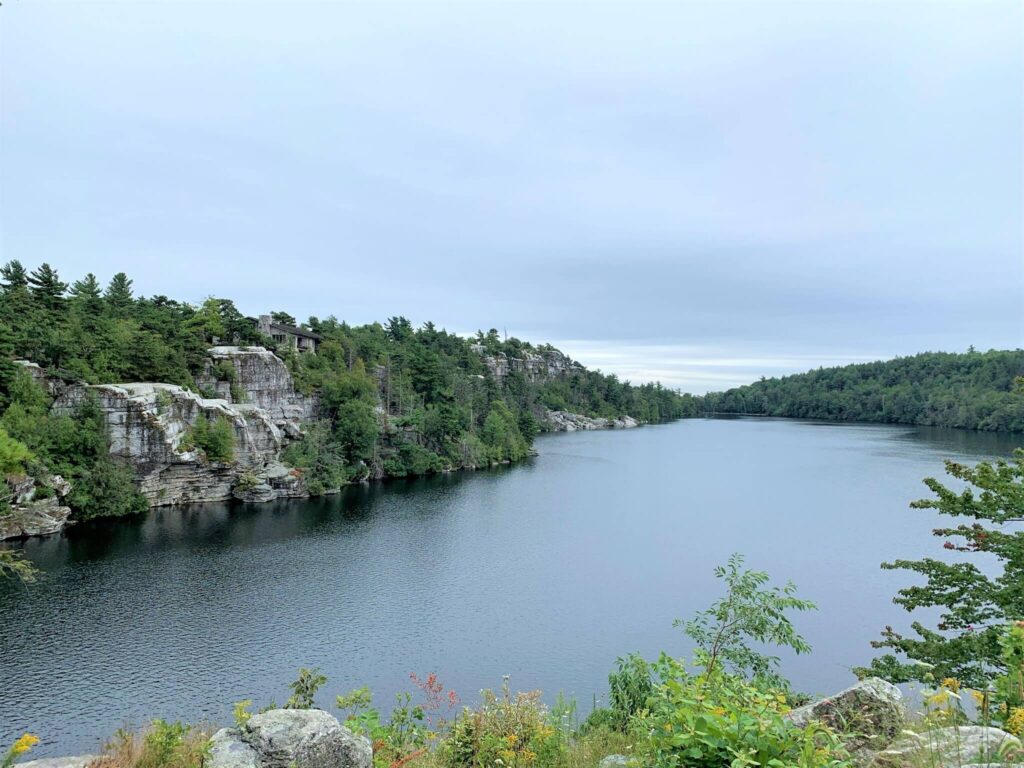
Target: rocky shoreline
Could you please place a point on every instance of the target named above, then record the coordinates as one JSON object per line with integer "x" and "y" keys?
{"x": 249, "y": 388}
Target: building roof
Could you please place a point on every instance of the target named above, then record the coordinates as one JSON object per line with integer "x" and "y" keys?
{"x": 294, "y": 330}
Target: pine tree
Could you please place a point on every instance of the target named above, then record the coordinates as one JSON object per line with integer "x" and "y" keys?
{"x": 14, "y": 275}
{"x": 47, "y": 287}
{"x": 86, "y": 288}
{"x": 119, "y": 292}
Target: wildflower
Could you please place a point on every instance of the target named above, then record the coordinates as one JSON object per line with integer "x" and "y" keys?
{"x": 1015, "y": 722}
{"x": 951, "y": 683}
{"x": 24, "y": 744}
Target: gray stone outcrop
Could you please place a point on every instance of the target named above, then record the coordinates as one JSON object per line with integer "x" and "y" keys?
{"x": 30, "y": 515}
{"x": 282, "y": 738}
{"x": 870, "y": 714}
{"x": 77, "y": 761}
{"x": 563, "y": 421}
{"x": 948, "y": 747}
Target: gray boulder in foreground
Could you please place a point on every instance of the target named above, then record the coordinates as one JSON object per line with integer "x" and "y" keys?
{"x": 949, "y": 747}
{"x": 77, "y": 761}
{"x": 869, "y": 714}
{"x": 282, "y": 738}
{"x": 615, "y": 761}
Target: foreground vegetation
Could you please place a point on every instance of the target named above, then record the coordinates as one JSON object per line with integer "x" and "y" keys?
{"x": 973, "y": 390}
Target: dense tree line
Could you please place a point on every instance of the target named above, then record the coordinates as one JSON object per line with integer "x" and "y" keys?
{"x": 972, "y": 390}
{"x": 395, "y": 399}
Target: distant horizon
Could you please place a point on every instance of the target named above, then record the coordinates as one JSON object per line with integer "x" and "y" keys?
{"x": 638, "y": 364}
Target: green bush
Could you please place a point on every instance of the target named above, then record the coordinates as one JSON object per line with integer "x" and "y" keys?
{"x": 216, "y": 439}
{"x": 719, "y": 719}
{"x": 14, "y": 455}
{"x": 509, "y": 731}
{"x": 319, "y": 457}
{"x": 304, "y": 689}
{"x": 412, "y": 459}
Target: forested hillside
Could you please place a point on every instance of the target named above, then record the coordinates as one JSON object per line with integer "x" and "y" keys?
{"x": 973, "y": 390}
{"x": 393, "y": 399}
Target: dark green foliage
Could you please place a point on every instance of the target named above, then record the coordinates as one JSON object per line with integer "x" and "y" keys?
{"x": 319, "y": 457}
{"x": 215, "y": 438}
{"x": 630, "y": 685}
{"x": 73, "y": 446}
{"x": 975, "y": 602}
{"x": 973, "y": 390}
{"x": 304, "y": 689}
{"x": 412, "y": 459}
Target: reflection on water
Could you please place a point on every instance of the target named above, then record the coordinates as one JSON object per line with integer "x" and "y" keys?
{"x": 546, "y": 571}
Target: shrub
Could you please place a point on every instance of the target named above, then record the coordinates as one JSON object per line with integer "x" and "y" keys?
{"x": 510, "y": 731}
{"x": 304, "y": 689}
{"x": 162, "y": 745}
{"x": 14, "y": 455}
{"x": 722, "y": 720}
{"x": 629, "y": 687}
{"x": 216, "y": 439}
{"x": 412, "y": 459}
{"x": 163, "y": 401}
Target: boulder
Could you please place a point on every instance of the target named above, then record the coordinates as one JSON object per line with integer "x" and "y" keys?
{"x": 871, "y": 712}
{"x": 615, "y": 761}
{"x": 228, "y": 750}
{"x": 947, "y": 747}
{"x": 290, "y": 738}
{"x": 34, "y": 518}
{"x": 563, "y": 421}
{"x": 78, "y": 761}
{"x": 254, "y": 493}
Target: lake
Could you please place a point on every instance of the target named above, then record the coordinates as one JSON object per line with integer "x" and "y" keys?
{"x": 545, "y": 571}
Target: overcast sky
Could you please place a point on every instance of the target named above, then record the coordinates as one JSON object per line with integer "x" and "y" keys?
{"x": 701, "y": 193}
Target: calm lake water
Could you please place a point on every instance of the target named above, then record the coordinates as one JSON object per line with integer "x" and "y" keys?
{"x": 545, "y": 571}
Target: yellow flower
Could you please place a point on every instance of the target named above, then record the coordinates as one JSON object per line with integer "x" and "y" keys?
{"x": 24, "y": 744}
{"x": 978, "y": 696}
{"x": 718, "y": 711}
{"x": 667, "y": 727}
{"x": 1015, "y": 722}
{"x": 511, "y": 739}
{"x": 952, "y": 684}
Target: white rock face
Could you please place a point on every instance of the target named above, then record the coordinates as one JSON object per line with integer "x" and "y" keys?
{"x": 563, "y": 421}
{"x": 286, "y": 738}
{"x": 535, "y": 366}
{"x": 146, "y": 423}
{"x": 263, "y": 381}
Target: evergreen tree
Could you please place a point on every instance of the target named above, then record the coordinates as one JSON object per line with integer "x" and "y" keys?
{"x": 119, "y": 293}
{"x": 14, "y": 275}
{"x": 47, "y": 287}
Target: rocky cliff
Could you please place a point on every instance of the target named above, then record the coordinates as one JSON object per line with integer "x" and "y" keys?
{"x": 149, "y": 424}
{"x": 535, "y": 366}
{"x": 255, "y": 376}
